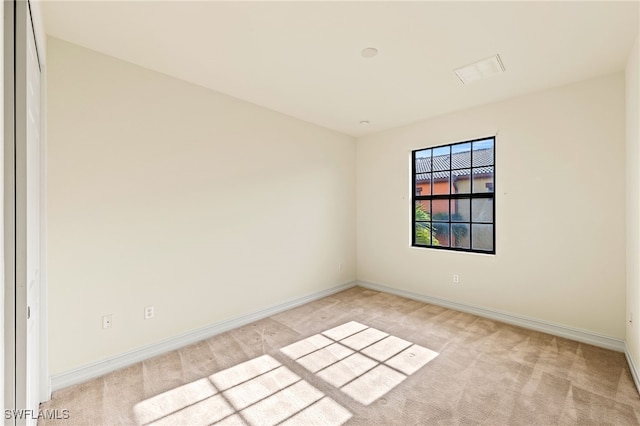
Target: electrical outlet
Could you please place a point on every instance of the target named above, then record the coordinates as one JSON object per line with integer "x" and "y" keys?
{"x": 456, "y": 278}
{"x": 107, "y": 321}
{"x": 148, "y": 312}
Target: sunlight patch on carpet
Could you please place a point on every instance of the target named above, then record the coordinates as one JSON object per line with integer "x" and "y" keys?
{"x": 364, "y": 362}
{"x": 260, "y": 391}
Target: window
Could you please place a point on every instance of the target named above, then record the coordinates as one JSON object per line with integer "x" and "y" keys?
{"x": 453, "y": 199}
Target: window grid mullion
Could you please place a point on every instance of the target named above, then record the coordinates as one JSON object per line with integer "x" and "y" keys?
{"x": 431, "y": 177}
{"x": 471, "y": 189}
{"x": 454, "y": 196}
{"x": 471, "y": 218}
{"x": 413, "y": 197}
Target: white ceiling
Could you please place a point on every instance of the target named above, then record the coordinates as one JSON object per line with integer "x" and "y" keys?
{"x": 303, "y": 58}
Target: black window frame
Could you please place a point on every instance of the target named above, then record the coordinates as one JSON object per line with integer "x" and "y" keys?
{"x": 449, "y": 197}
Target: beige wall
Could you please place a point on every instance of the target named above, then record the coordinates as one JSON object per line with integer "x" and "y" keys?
{"x": 560, "y": 192}
{"x": 167, "y": 194}
{"x": 633, "y": 203}
{"x": 164, "y": 193}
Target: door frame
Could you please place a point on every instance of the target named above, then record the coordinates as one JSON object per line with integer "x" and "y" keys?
{"x": 15, "y": 29}
{"x": 9, "y": 209}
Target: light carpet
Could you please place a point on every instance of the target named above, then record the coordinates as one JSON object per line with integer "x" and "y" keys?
{"x": 362, "y": 357}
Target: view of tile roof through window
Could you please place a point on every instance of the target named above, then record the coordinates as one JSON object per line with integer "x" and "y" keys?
{"x": 460, "y": 164}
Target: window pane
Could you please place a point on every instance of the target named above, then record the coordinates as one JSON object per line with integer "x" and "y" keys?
{"x": 483, "y": 179}
{"x": 482, "y": 210}
{"x": 423, "y": 153}
{"x": 422, "y": 217}
{"x": 423, "y": 233}
{"x": 441, "y": 233}
{"x": 440, "y": 210}
{"x": 441, "y": 158}
{"x": 423, "y": 210}
{"x": 461, "y": 156}
{"x": 482, "y": 237}
{"x": 460, "y": 210}
{"x": 459, "y": 235}
{"x": 423, "y": 184}
{"x": 483, "y": 153}
{"x": 423, "y": 161}
{"x": 461, "y": 181}
{"x": 441, "y": 182}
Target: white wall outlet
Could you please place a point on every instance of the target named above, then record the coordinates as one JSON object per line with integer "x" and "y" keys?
{"x": 148, "y": 312}
{"x": 107, "y": 321}
{"x": 456, "y": 278}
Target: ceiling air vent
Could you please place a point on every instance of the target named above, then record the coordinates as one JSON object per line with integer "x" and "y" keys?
{"x": 481, "y": 69}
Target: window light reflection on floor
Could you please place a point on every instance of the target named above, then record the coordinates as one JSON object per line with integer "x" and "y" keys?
{"x": 363, "y": 362}
{"x": 257, "y": 392}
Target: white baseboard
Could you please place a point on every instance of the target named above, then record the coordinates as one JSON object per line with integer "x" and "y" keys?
{"x": 521, "y": 321}
{"x": 108, "y": 365}
{"x": 632, "y": 367}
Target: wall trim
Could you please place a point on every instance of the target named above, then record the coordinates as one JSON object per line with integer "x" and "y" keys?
{"x": 107, "y": 365}
{"x": 632, "y": 367}
{"x": 579, "y": 335}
